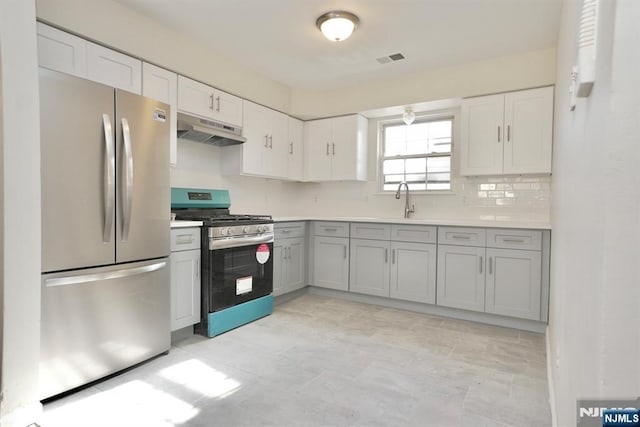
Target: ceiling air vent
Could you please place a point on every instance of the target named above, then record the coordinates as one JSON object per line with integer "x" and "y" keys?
{"x": 393, "y": 57}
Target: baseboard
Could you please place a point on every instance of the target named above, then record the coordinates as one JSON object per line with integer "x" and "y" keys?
{"x": 552, "y": 388}
{"x": 281, "y": 299}
{"x": 491, "y": 319}
{"x": 24, "y": 416}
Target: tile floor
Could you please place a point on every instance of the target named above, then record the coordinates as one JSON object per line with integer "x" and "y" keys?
{"x": 319, "y": 361}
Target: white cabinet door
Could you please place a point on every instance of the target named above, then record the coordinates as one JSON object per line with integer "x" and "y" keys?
{"x": 528, "y": 119}
{"x": 348, "y": 148}
{"x": 228, "y": 108}
{"x": 162, "y": 85}
{"x": 257, "y": 134}
{"x": 60, "y": 51}
{"x": 331, "y": 262}
{"x": 295, "y": 160}
{"x": 460, "y": 281}
{"x": 369, "y": 266}
{"x": 413, "y": 272}
{"x": 185, "y": 288}
{"x": 195, "y": 98}
{"x": 514, "y": 283}
{"x": 113, "y": 68}
{"x": 275, "y": 159}
{"x": 482, "y": 135}
{"x": 317, "y": 150}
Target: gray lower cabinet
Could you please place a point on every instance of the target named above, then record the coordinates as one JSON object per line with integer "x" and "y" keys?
{"x": 288, "y": 265}
{"x": 413, "y": 272}
{"x": 513, "y": 283}
{"x": 185, "y": 277}
{"x": 370, "y": 267}
{"x": 331, "y": 262}
{"x": 460, "y": 280}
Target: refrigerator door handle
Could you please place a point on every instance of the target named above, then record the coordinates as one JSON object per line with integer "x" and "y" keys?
{"x": 88, "y": 278}
{"x": 128, "y": 180}
{"x": 109, "y": 178}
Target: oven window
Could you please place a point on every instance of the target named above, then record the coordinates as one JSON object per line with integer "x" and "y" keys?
{"x": 236, "y": 276}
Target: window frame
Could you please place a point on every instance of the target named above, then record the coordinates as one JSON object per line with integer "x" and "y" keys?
{"x": 453, "y": 115}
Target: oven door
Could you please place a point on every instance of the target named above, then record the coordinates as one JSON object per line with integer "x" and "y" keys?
{"x": 236, "y": 275}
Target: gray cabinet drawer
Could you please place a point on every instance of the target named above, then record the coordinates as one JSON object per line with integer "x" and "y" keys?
{"x": 284, "y": 230}
{"x": 514, "y": 239}
{"x": 414, "y": 233}
{"x": 184, "y": 239}
{"x": 463, "y": 236}
{"x": 367, "y": 230}
{"x": 331, "y": 229}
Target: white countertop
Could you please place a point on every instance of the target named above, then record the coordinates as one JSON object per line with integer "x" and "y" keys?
{"x": 183, "y": 224}
{"x": 496, "y": 221}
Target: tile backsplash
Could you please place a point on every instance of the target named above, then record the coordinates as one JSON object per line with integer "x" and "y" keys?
{"x": 512, "y": 191}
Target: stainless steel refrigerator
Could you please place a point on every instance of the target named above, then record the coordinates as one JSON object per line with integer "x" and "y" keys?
{"x": 105, "y": 230}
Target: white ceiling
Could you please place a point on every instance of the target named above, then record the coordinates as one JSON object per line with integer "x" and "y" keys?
{"x": 279, "y": 39}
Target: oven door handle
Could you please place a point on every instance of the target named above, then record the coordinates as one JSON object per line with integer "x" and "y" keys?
{"x": 235, "y": 242}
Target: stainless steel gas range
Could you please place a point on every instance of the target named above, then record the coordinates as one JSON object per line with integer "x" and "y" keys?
{"x": 237, "y": 262}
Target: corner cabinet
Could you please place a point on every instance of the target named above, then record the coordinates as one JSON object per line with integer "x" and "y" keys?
{"x": 185, "y": 277}
{"x": 209, "y": 103}
{"x": 507, "y": 133}
{"x": 289, "y": 262}
{"x": 162, "y": 85}
{"x": 336, "y": 149}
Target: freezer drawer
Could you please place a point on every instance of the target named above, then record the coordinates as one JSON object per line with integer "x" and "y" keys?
{"x": 98, "y": 321}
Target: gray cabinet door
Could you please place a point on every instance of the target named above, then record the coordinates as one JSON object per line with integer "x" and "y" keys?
{"x": 278, "y": 268}
{"x": 513, "y": 283}
{"x": 460, "y": 282}
{"x": 413, "y": 272}
{"x": 185, "y": 288}
{"x": 369, "y": 265}
{"x": 294, "y": 271}
{"x": 331, "y": 262}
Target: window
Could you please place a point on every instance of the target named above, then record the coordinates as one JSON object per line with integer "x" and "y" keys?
{"x": 419, "y": 154}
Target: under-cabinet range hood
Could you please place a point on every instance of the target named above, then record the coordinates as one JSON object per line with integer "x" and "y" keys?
{"x": 208, "y": 131}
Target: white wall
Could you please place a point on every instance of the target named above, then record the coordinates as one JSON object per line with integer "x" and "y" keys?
{"x": 594, "y": 329}
{"x": 21, "y": 226}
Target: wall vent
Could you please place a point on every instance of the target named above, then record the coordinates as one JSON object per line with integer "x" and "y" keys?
{"x": 587, "y": 47}
{"x": 390, "y": 58}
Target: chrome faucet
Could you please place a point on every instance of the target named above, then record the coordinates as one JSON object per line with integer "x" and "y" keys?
{"x": 407, "y": 210}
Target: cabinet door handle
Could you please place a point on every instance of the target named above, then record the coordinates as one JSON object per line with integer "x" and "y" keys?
{"x": 386, "y": 255}
{"x": 334, "y": 148}
{"x": 393, "y": 256}
{"x": 218, "y": 101}
{"x": 498, "y": 133}
{"x": 345, "y": 251}
{"x": 285, "y": 231}
{"x": 490, "y": 265}
{"x": 266, "y": 141}
{"x": 481, "y": 264}
{"x": 508, "y": 133}
{"x": 291, "y": 148}
{"x": 330, "y": 229}
{"x": 459, "y": 237}
{"x": 197, "y": 268}
{"x": 270, "y": 141}
{"x": 211, "y": 105}
{"x": 513, "y": 240}
{"x": 184, "y": 239}
{"x": 327, "y": 148}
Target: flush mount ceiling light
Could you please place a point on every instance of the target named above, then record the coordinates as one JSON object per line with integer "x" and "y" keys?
{"x": 408, "y": 116}
{"x": 337, "y": 25}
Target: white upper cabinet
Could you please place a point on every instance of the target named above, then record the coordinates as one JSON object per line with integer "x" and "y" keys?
{"x": 266, "y": 151}
{"x": 113, "y": 68}
{"x": 507, "y": 133}
{"x": 295, "y": 162}
{"x": 60, "y": 51}
{"x": 209, "y": 103}
{"x": 73, "y": 55}
{"x": 162, "y": 85}
{"x": 336, "y": 149}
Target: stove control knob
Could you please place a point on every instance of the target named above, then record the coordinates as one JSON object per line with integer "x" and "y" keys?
{"x": 224, "y": 231}
{"x": 245, "y": 229}
{"x": 260, "y": 228}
